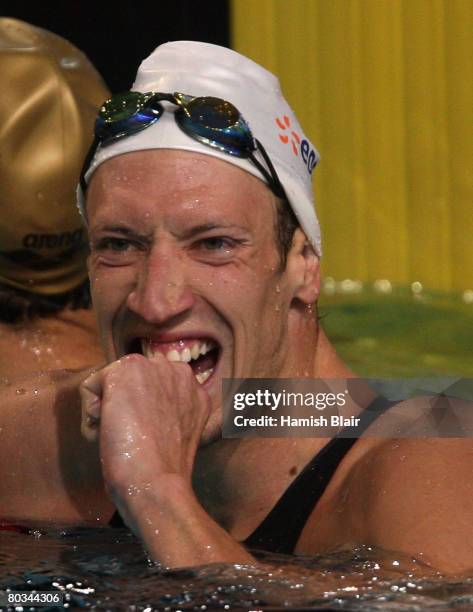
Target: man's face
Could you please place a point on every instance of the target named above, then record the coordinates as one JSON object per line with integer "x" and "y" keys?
{"x": 184, "y": 263}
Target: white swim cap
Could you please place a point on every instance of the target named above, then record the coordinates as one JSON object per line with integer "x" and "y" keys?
{"x": 201, "y": 69}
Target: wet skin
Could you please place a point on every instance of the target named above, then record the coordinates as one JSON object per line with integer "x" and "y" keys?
{"x": 44, "y": 344}
{"x": 183, "y": 250}
{"x": 160, "y": 277}
{"x": 173, "y": 259}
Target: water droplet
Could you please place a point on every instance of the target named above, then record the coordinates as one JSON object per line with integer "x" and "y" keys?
{"x": 69, "y": 62}
{"x": 20, "y": 391}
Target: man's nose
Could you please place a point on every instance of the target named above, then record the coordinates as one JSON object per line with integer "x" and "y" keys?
{"x": 162, "y": 291}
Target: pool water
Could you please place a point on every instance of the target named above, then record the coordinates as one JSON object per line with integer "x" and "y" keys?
{"x": 106, "y": 569}
{"x": 401, "y": 335}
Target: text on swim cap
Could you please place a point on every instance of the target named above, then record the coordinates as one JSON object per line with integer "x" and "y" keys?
{"x": 308, "y": 155}
{"x": 53, "y": 241}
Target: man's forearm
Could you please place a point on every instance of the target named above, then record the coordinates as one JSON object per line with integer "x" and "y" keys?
{"x": 174, "y": 527}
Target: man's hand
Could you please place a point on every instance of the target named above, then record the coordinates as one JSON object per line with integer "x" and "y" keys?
{"x": 149, "y": 417}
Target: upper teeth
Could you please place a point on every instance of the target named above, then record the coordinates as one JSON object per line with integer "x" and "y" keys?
{"x": 185, "y": 355}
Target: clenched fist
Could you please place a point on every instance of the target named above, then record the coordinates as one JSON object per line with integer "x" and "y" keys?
{"x": 149, "y": 416}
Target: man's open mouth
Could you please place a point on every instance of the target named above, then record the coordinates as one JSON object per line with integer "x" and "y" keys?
{"x": 201, "y": 354}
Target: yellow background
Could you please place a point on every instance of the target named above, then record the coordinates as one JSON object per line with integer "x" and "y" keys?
{"x": 384, "y": 89}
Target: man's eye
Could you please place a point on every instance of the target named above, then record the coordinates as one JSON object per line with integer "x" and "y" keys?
{"x": 113, "y": 244}
{"x": 216, "y": 250}
{"x": 216, "y": 244}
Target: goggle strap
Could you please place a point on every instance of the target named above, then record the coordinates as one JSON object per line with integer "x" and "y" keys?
{"x": 88, "y": 160}
{"x": 271, "y": 176}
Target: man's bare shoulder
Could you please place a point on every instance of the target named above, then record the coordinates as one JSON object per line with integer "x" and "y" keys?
{"x": 45, "y": 464}
{"x": 411, "y": 494}
{"x": 66, "y": 340}
{"x": 40, "y": 388}
{"x": 415, "y": 496}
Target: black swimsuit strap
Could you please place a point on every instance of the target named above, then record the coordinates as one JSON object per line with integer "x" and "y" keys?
{"x": 281, "y": 529}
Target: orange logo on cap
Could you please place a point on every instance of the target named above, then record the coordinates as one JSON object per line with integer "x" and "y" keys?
{"x": 285, "y": 125}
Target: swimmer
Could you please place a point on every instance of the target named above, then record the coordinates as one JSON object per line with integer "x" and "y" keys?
{"x": 50, "y": 96}
{"x": 204, "y": 265}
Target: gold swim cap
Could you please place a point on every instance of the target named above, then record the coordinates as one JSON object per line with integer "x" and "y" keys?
{"x": 50, "y": 95}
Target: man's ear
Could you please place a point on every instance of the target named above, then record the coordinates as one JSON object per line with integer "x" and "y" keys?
{"x": 305, "y": 266}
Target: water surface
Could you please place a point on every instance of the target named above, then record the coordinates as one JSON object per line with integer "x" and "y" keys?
{"x": 107, "y": 569}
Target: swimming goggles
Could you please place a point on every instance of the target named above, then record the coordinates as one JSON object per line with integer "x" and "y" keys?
{"x": 211, "y": 121}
